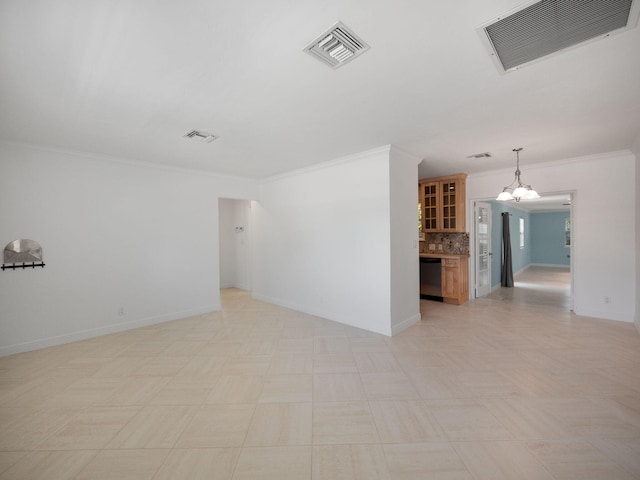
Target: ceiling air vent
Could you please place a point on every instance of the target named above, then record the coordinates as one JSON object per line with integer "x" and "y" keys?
{"x": 542, "y": 28}
{"x": 201, "y": 136}
{"x": 337, "y": 46}
{"x": 480, "y": 155}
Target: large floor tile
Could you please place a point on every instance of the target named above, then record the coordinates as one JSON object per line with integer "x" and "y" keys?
{"x": 376, "y": 362}
{"x": 92, "y": 429}
{"x": 280, "y": 424}
{"x": 334, "y": 363}
{"x": 437, "y": 383}
{"x": 341, "y": 423}
{"x": 623, "y": 451}
{"x": 526, "y": 418}
{"x": 217, "y": 426}
{"x": 154, "y": 427}
{"x": 8, "y": 459}
{"x": 405, "y": 421}
{"x": 274, "y": 463}
{"x": 590, "y": 471}
{"x": 501, "y": 461}
{"x": 49, "y": 465}
{"x": 135, "y": 391}
{"x": 337, "y": 387}
{"x": 287, "y": 388}
{"x": 467, "y": 420}
{"x": 199, "y": 464}
{"x": 182, "y": 394}
{"x": 238, "y": 389}
{"x": 330, "y": 345}
{"x": 418, "y": 461}
{"x": 247, "y": 365}
{"x": 26, "y": 428}
{"x": 388, "y": 386}
{"x": 124, "y": 465}
{"x": 292, "y": 363}
{"x": 349, "y": 462}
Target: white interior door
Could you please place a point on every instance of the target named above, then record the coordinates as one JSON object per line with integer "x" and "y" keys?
{"x": 483, "y": 248}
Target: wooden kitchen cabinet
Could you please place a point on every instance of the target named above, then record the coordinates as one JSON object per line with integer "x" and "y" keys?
{"x": 455, "y": 280}
{"x": 443, "y": 203}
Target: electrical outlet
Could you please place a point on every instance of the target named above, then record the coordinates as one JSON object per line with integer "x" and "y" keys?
{"x": 432, "y": 246}
{"x": 121, "y": 311}
{"x": 607, "y": 299}
{"x": 440, "y": 247}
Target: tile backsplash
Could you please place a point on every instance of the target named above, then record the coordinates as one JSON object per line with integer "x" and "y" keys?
{"x": 450, "y": 243}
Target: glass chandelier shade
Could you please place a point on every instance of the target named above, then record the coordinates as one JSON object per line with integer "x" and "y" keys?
{"x": 517, "y": 190}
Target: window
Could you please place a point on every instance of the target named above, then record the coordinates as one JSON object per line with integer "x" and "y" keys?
{"x": 567, "y": 232}
{"x": 521, "y": 233}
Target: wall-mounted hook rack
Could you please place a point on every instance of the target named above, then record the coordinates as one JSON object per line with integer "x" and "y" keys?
{"x": 14, "y": 266}
{"x": 22, "y": 253}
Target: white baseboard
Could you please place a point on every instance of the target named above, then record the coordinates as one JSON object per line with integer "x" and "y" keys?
{"x": 614, "y": 316}
{"x": 403, "y": 325}
{"x": 312, "y": 311}
{"x": 240, "y": 286}
{"x": 96, "y": 332}
{"x": 549, "y": 265}
{"x": 520, "y": 271}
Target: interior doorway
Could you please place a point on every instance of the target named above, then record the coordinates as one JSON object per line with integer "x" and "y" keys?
{"x": 539, "y": 286}
{"x": 234, "y": 233}
{"x": 544, "y": 270}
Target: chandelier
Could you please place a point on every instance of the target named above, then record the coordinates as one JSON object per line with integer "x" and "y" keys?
{"x": 517, "y": 190}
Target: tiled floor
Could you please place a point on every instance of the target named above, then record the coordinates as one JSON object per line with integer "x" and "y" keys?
{"x": 508, "y": 387}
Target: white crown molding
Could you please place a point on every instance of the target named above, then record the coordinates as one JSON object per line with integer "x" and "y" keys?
{"x": 555, "y": 163}
{"x": 125, "y": 161}
{"x": 328, "y": 164}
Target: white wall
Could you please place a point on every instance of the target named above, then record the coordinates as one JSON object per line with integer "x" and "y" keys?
{"x": 604, "y": 230}
{"x": 405, "y": 263}
{"x": 322, "y": 241}
{"x": 226, "y": 233}
{"x": 235, "y": 237}
{"x": 114, "y": 234}
{"x": 636, "y": 151}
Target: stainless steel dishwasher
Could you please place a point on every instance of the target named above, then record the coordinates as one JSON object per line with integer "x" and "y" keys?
{"x": 431, "y": 278}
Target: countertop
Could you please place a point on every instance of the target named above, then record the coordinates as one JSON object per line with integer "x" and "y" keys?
{"x": 444, "y": 255}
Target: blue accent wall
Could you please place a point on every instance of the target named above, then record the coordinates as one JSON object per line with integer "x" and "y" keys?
{"x": 520, "y": 258}
{"x": 547, "y": 238}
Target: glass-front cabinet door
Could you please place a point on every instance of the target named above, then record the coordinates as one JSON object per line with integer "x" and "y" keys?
{"x": 430, "y": 205}
{"x": 449, "y": 213}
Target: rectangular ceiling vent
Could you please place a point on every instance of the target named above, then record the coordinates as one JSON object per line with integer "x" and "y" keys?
{"x": 337, "y": 46}
{"x": 538, "y": 29}
{"x": 201, "y": 136}
{"x": 480, "y": 155}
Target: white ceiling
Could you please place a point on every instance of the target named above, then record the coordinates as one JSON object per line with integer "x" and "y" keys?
{"x": 128, "y": 79}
